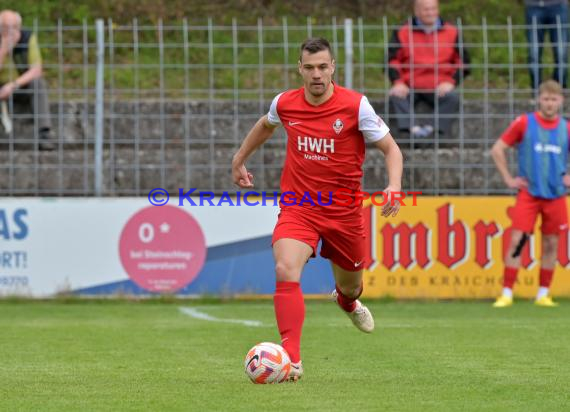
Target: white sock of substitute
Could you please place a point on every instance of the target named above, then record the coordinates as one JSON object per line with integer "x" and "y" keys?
{"x": 542, "y": 292}
{"x": 508, "y": 292}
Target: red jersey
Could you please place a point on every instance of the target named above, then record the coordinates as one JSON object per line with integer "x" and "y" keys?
{"x": 325, "y": 146}
{"x": 516, "y": 130}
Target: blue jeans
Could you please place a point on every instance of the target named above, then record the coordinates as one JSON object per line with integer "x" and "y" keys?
{"x": 536, "y": 18}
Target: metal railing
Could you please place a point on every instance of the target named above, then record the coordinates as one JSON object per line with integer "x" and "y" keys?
{"x": 167, "y": 105}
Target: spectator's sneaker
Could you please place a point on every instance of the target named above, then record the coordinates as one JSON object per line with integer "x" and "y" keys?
{"x": 296, "y": 371}
{"x": 422, "y": 132}
{"x": 503, "y": 302}
{"x": 546, "y": 302}
{"x": 360, "y": 316}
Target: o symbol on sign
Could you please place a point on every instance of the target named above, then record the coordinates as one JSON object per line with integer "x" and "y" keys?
{"x": 146, "y": 233}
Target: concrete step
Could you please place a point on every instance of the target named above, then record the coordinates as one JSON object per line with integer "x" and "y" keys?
{"x": 187, "y": 122}
{"x": 69, "y": 171}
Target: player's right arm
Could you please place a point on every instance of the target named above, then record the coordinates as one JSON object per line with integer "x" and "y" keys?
{"x": 513, "y": 135}
{"x": 259, "y": 134}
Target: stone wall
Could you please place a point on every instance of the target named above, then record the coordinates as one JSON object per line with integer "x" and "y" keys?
{"x": 190, "y": 144}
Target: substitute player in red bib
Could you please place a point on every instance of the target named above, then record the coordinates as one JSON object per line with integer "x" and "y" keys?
{"x": 327, "y": 129}
{"x": 542, "y": 142}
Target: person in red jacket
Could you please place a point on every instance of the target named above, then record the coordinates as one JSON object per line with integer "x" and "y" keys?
{"x": 426, "y": 63}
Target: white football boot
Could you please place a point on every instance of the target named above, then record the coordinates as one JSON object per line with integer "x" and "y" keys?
{"x": 296, "y": 371}
{"x": 360, "y": 316}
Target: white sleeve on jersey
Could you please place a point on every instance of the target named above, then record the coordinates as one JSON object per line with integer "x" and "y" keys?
{"x": 273, "y": 116}
{"x": 369, "y": 123}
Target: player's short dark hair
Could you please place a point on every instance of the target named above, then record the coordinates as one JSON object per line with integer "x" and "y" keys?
{"x": 315, "y": 45}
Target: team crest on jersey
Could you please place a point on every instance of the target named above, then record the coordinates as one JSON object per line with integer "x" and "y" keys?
{"x": 338, "y": 125}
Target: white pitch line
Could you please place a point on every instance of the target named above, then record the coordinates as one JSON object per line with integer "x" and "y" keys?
{"x": 196, "y": 314}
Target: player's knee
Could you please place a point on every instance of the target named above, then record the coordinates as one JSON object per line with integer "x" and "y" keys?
{"x": 286, "y": 271}
{"x": 351, "y": 291}
{"x": 517, "y": 241}
{"x": 549, "y": 247}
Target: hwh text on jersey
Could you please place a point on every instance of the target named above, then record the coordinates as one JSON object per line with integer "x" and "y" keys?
{"x": 315, "y": 144}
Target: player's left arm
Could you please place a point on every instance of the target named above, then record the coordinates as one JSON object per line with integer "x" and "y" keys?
{"x": 566, "y": 177}
{"x": 395, "y": 166}
{"x": 375, "y": 131}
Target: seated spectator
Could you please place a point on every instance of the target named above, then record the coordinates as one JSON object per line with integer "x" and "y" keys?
{"x": 426, "y": 64}
{"x": 21, "y": 71}
{"x": 553, "y": 13}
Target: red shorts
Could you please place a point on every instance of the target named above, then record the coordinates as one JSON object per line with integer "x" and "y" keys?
{"x": 527, "y": 208}
{"x": 343, "y": 239}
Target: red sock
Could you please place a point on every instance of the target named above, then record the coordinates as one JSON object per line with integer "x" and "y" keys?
{"x": 346, "y": 303}
{"x": 290, "y": 314}
{"x": 510, "y": 277}
{"x": 545, "y": 277}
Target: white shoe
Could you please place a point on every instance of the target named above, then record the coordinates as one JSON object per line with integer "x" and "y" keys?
{"x": 296, "y": 371}
{"x": 360, "y": 316}
{"x": 422, "y": 132}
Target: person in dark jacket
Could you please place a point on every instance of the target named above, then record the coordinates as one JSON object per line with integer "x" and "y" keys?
{"x": 547, "y": 16}
{"x": 426, "y": 63}
{"x": 21, "y": 72}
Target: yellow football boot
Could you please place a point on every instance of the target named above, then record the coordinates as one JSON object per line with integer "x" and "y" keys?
{"x": 503, "y": 302}
{"x": 546, "y": 302}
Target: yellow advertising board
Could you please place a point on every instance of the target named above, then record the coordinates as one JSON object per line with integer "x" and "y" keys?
{"x": 452, "y": 247}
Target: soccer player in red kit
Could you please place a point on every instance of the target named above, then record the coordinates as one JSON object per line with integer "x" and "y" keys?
{"x": 542, "y": 140}
{"x": 327, "y": 129}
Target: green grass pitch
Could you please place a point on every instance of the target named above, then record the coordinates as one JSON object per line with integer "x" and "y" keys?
{"x": 150, "y": 356}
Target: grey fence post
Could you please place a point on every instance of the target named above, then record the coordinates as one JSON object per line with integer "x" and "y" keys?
{"x": 348, "y": 53}
{"x": 99, "y": 85}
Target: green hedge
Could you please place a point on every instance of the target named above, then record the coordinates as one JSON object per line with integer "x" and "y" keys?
{"x": 45, "y": 15}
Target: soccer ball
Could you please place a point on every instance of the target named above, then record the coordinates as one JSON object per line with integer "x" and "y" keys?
{"x": 267, "y": 363}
